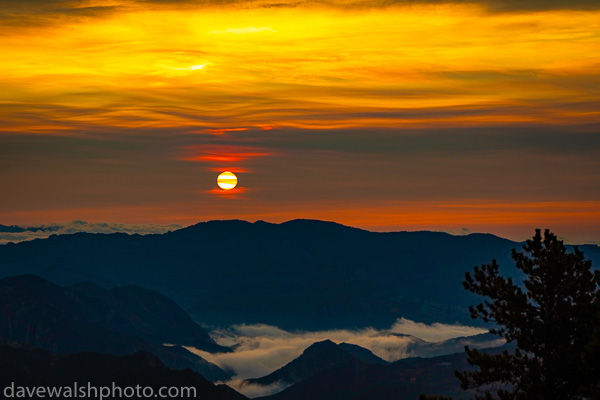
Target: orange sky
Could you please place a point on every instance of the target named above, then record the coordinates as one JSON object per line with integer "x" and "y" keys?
{"x": 443, "y": 116}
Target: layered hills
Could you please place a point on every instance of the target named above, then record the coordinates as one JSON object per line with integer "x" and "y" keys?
{"x": 301, "y": 274}
{"x": 86, "y": 317}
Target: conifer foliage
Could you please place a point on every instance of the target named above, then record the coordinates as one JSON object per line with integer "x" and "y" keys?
{"x": 553, "y": 319}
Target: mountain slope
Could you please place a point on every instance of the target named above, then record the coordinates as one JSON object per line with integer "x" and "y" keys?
{"x": 26, "y": 366}
{"x": 361, "y": 353}
{"x": 88, "y": 318}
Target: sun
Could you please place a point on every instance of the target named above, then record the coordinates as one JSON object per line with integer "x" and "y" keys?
{"x": 227, "y": 180}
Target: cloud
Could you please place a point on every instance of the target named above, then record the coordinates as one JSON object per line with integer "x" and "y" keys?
{"x": 221, "y": 153}
{"x": 235, "y": 193}
{"x": 261, "y": 349}
{"x": 435, "y": 332}
{"x": 222, "y": 131}
{"x": 43, "y": 231}
{"x": 240, "y": 31}
{"x": 252, "y": 390}
{"x": 26, "y": 13}
{"x": 38, "y": 12}
{"x": 191, "y": 68}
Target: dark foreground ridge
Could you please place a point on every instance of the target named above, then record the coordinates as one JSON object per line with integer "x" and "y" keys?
{"x": 86, "y": 317}
{"x": 29, "y": 367}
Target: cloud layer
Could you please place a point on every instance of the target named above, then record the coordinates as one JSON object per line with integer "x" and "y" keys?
{"x": 77, "y": 8}
{"x": 262, "y": 349}
{"x": 17, "y": 234}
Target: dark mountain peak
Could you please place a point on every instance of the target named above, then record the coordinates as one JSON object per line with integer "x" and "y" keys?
{"x": 218, "y": 224}
{"x": 262, "y": 223}
{"x": 488, "y": 238}
{"x": 307, "y": 222}
{"x": 320, "y": 226}
{"x": 318, "y": 357}
{"x": 319, "y": 347}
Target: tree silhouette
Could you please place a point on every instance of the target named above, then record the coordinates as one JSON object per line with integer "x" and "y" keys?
{"x": 553, "y": 318}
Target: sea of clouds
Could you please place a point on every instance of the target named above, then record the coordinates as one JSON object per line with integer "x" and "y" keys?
{"x": 261, "y": 349}
{"x": 45, "y": 230}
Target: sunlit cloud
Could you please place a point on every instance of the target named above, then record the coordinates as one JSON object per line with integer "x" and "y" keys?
{"x": 235, "y": 170}
{"x": 221, "y": 153}
{"x": 222, "y": 131}
{"x": 120, "y": 72}
{"x": 423, "y": 66}
{"x": 190, "y": 68}
{"x": 260, "y": 349}
{"x": 241, "y": 31}
{"x": 235, "y": 193}
{"x": 435, "y": 332}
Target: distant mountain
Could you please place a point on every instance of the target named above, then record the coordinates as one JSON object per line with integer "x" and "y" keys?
{"x": 29, "y": 367}
{"x": 86, "y": 317}
{"x": 11, "y": 228}
{"x": 300, "y": 274}
{"x": 20, "y": 229}
{"x": 416, "y": 347}
{"x": 456, "y": 345}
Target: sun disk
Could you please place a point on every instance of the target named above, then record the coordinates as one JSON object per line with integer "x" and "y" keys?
{"x": 227, "y": 180}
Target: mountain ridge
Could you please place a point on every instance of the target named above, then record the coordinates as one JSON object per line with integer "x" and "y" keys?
{"x": 234, "y": 271}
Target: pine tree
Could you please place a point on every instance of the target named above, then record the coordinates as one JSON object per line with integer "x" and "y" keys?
{"x": 553, "y": 319}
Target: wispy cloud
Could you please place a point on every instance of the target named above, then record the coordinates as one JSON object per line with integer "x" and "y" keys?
{"x": 220, "y": 131}
{"x": 221, "y": 153}
{"x": 435, "y": 332}
{"x": 190, "y": 68}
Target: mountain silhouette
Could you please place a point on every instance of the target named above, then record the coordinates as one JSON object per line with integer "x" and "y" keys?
{"x": 86, "y": 317}
{"x": 29, "y": 367}
{"x": 318, "y": 357}
{"x": 357, "y": 380}
{"x": 301, "y": 274}
{"x": 326, "y": 370}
